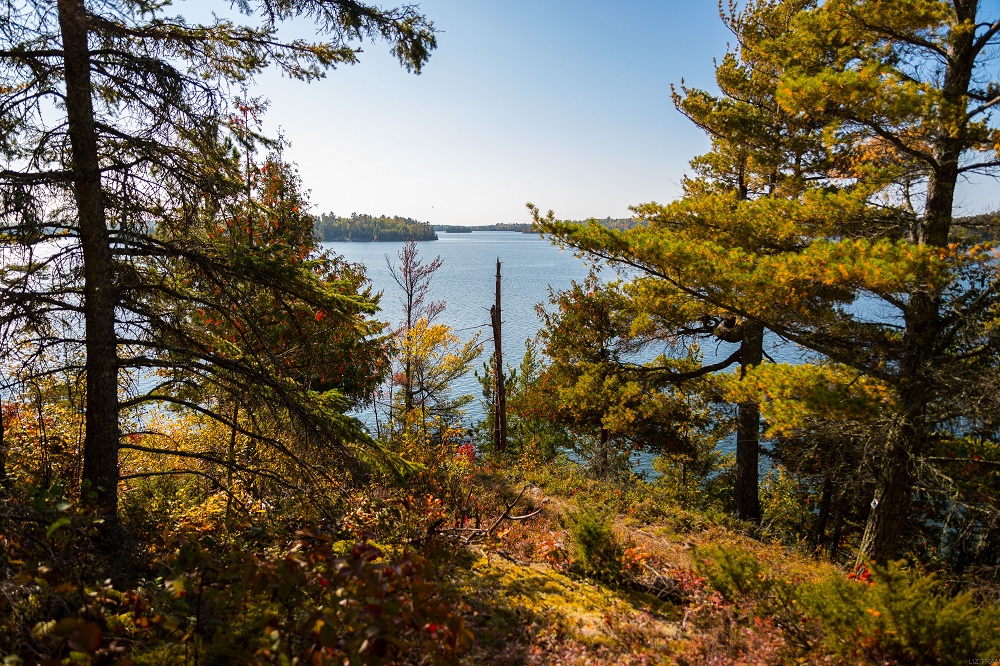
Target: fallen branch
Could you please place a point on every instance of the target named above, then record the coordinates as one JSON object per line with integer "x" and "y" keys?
{"x": 474, "y": 533}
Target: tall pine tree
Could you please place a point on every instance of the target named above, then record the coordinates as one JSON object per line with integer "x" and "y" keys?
{"x": 116, "y": 118}
{"x": 869, "y": 270}
{"x": 759, "y": 153}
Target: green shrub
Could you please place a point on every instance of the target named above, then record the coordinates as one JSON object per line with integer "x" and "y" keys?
{"x": 786, "y": 502}
{"x": 731, "y": 572}
{"x": 741, "y": 577}
{"x": 597, "y": 552}
{"x": 886, "y": 616}
{"x": 897, "y": 617}
{"x": 698, "y": 479}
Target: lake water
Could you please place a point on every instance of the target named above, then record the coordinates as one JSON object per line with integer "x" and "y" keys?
{"x": 466, "y": 282}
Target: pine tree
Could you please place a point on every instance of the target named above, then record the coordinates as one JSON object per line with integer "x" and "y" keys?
{"x": 595, "y": 387}
{"x": 261, "y": 322}
{"x": 884, "y": 286}
{"x": 146, "y": 140}
{"x": 759, "y": 152}
{"x": 916, "y": 81}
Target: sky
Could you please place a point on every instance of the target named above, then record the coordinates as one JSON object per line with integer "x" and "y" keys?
{"x": 565, "y": 104}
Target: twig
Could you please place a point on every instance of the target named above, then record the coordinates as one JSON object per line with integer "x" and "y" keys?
{"x": 476, "y": 532}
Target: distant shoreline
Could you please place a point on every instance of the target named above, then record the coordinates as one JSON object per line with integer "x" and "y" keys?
{"x": 359, "y": 228}
{"x": 523, "y": 228}
{"x": 460, "y": 230}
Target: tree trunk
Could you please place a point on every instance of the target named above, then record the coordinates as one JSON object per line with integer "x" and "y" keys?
{"x": 746, "y": 496}
{"x": 231, "y": 460}
{"x": 408, "y": 360}
{"x": 500, "y": 403}
{"x": 826, "y": 499}
{"x": 746, "y": 492}
{"x": 603, "y": 465}
{"x": 890, "y": 507}
{"x": 838, "y": 527}
{"x": 100, "y": 446}
{"x": 3, "y": 451}
{"x": 891, "y": 502}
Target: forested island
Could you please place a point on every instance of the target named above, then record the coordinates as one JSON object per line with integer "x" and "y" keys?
{"x": 184, "y": 478}
{"x": 529, "y": 228}
{"x": 365, "y": 228}
{"x": 361, "y": 228}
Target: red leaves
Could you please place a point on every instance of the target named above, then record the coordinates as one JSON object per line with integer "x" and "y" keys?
{"x": 861, "y": 574}
{"x": 466, "y": 452}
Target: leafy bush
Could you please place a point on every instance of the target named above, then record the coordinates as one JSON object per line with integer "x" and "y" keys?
{"x": 899, "y": 617}
{"x": 741, "y": 577}
{"x": 215, "y": 602}
{"x": 888, "y": 615}
{"x": 311, "y": 605}
{"x": 597, "y": 551}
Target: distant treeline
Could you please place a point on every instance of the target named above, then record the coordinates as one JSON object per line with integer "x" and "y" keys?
{"x": 983, "y": 227}
{"x": 368, "y": 228}
{"x": 527, "y": 228}
{"x": 620, "y": 223}
{"x": 524, "y": 228}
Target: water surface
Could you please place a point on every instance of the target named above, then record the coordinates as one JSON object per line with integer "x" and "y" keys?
{"x": 466, "y": 282}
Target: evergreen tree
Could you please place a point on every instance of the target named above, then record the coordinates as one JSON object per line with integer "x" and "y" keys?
{"x": 596, "y": 388}
{"x": 861, "y": 271}
{"x": 759, "y": 152}
{"x": 910, "y": 91}
{"x": 260, "y": 320}
{"x": 115, "y": 120}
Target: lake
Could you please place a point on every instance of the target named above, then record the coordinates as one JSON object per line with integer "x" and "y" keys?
{"x": 466, "y": 282}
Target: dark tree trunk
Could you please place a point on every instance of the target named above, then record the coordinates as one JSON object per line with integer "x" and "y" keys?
{"x": 408, "y": 361}
{"x": 500, "y": 401}
{"x": 896, "y": 468}
{"x": 890, "y": 508}
{"x": 100, "y": 446}
{"x": 3, "y": 450}
{"x": 603, "y": 464}
{"x": 891, "y": 502}
{"x": 746, "y": 493}
{"x": 838, "y": 528}
{"x": 231, "y": 460}
{"x": 746, "y": 497}
{"x": 825, "y": 500}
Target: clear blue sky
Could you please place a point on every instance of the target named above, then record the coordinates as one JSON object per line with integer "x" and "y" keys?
{"x": 565, "y": 104}
{"x": 562, "y": 103}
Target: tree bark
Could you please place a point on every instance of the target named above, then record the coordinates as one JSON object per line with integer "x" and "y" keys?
{"x": 3, "y": 451}
{"x": 408, "y": 361}
{"x": 826, "y": 499}
{"x": 838, "y": 528}
{"x": 891, "y": 503}
{"x": 896, "y": 469}
{"x": 231, "y": 459}
{"x": 746, "y": 495}
{"x": 100, "y": 447}
{"x": 500, "y": 403}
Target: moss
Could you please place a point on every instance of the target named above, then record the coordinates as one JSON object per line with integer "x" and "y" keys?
{"x": 515, "y": 606}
